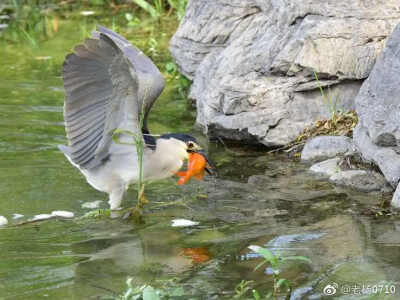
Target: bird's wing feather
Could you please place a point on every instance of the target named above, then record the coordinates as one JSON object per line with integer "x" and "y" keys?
{"x": 102, "y": 94}
{"x": 151, "y": 82}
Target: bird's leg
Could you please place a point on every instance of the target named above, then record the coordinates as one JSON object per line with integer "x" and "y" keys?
{"x": 115, "y": 198}
{"x": 136, "y": 213}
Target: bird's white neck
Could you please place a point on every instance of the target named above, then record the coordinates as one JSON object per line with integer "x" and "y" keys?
{"x": 166, "y": 160}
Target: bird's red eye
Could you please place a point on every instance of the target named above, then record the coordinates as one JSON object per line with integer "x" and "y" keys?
{"x": 190, "y": 145}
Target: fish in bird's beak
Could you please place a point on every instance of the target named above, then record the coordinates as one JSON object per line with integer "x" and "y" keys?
{"x": 198, "y": 164}
{"x": 210, "y": 167}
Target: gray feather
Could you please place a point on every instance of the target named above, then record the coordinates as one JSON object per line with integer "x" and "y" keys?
{"x": 107, "y": 80}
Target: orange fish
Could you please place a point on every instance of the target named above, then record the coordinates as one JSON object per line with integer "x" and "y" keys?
{"x": 198, "y": 255}
{"x": 197, "y": 165}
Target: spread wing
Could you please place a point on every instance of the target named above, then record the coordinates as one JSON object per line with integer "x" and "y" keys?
{"x": 107, "y": 80}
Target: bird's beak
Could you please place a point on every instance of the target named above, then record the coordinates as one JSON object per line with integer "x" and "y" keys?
{"x": 197, "y": 148}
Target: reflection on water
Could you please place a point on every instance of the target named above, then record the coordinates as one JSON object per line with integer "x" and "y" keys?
{"x": 267, "y": 200}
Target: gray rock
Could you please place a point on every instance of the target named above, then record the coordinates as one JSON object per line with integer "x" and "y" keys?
{"x": 327, "y": 167}
{"x": 396, "y": 197}
{"x": 377, "y": 134}
{"x": 361, "y": 180}
{"x": 252, "y": 61}
{"x": 385, "y": 158}
{"x": 324, "y": 147}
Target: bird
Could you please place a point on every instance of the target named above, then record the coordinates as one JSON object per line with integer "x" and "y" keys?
{"x": 109, "y": 83}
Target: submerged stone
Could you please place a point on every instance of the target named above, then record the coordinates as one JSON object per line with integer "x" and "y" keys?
{"x": 362, "y": 180}
{"x": 327, "y": 167}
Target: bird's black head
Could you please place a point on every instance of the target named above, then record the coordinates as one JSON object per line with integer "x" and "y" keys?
{"x": 192, "y": 146}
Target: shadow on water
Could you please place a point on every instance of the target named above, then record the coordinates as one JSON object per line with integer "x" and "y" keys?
{"x": 258, "y": 199}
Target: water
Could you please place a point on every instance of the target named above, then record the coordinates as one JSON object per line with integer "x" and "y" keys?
{"x": 258, "y": 199}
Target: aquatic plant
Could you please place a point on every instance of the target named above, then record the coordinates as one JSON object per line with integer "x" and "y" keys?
{"x": 154, "y": 10}
{"x": 26, "y": 22}
{"x": 179, "y": 6}
{"x": 132, "y": 20}
{"x": 147, "y": 292}
{"x": 275, "y": 261}
{"x": 242, "y": 288}
{"x": 182, "y": 83}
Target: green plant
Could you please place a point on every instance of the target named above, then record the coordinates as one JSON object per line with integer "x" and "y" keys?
{"x": 132, "y": 20}
{"x": 156, "y": 8}
{"x": 152, "y": 48}
{"x": 242, "y": 289}
{"x": 329, "y": 99}
{"x": 97, "y": 2}
{"x": 183, "y": 84}
{"x": 179, "y": 6}
{"x": 30, "y": 22}
{"x": 147, "y": 292}
{"x": 275, "y": 261}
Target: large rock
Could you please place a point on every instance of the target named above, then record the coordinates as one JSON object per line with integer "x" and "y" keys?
{"x": 324, "y": 147}
{"x": 377, "y": 134}
{"x": 396, "y": 198}
{"x": 252, "y": 61}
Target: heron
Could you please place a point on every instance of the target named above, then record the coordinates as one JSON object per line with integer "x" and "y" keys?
{"x": 109, "y": 85}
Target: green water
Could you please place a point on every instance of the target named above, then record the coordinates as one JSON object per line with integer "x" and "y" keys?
{"x": 256, "y": 199}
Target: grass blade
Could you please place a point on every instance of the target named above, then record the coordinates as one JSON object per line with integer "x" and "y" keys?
{"x": 147, "y": 7}
{"x": 283, "y": 281}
